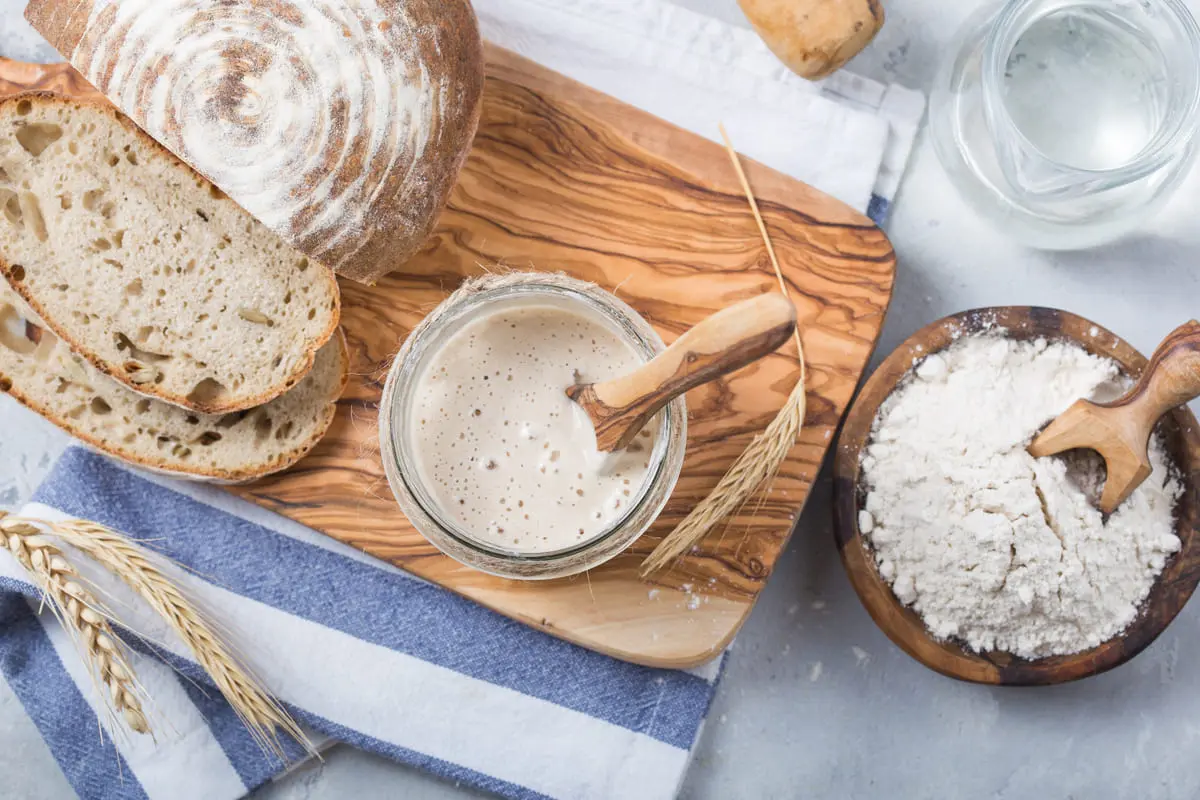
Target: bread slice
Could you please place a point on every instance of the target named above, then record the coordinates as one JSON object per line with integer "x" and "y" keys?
{"x": 144, "y": 268}
{"x": 45, "y": 375}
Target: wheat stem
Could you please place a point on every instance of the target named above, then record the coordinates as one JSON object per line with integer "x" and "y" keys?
{"x": 28, "y": 540}
{"x": 760, "y": 462}
{"x": 261, "y": 713}
{"x": 74, "y": 605}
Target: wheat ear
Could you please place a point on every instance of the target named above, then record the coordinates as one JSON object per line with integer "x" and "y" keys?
{"x": 261, "y": 713}
{"x": 74, "y": 605}
{"x": 760, "y": 462}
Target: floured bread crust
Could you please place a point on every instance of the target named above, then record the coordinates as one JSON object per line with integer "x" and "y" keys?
{"x": 341, "y": 125}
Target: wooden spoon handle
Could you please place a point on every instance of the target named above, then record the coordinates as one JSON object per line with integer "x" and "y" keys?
{"x": 1171, "y": 379}
{"x": 728, "y": 340}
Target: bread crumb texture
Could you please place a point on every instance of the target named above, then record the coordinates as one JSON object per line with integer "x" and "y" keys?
{"x": 44, "y": 374}
{"x": 147, "y": 269}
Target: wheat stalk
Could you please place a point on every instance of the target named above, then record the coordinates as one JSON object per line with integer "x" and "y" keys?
{"x": 75, "y": 607}
{"x": 760, "y": 462}
{"x": 262, "y": 715}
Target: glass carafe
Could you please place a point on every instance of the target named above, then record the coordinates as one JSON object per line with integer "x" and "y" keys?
{"x": 1067, "y": 123}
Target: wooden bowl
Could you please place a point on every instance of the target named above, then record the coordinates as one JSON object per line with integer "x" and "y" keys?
{"x": 902, "y": 625}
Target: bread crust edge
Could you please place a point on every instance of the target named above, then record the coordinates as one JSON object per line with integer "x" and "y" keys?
{"x": 392, "y": 246}
{"x": 225, "y": 476}
{"x": 304, "y": 365}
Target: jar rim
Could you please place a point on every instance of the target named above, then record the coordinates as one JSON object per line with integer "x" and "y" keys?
{"x": 1016, "y": 17}
{"x": 424, "y": 512}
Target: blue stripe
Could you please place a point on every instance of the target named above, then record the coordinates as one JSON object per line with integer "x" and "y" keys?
{"x": 407, "y": 616}
{"x": 233, "y": 738}
{"x": 28, "y": 662}
{"x": 19, "y": 587}
{"x": 253, "y": 766}
{"x": 878, "y": 209}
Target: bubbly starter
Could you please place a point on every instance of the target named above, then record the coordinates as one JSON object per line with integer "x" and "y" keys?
{"x": 503, "y": 451}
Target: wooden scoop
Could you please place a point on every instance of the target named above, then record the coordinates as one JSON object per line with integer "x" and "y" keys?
{"x": 1120, "y": 431}
{"x": 728, "y": 340}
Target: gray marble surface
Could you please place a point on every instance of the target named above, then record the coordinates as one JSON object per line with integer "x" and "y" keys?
{"x": 816, "y": 702}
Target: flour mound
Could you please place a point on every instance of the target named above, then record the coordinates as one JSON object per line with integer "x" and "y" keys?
{"x": 991, "y": 546}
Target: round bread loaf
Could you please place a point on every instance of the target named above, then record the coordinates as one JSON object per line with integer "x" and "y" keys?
{"x": 340, "y": 124}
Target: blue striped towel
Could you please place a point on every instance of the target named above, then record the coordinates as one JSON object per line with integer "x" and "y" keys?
{"x": 359, "y": 651}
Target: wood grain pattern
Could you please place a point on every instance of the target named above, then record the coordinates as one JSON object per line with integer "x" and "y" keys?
{"x": 1173, "y": 377}
{"x": 565, "y": 178}
{"x": 902, "y": 625}
{"x": 19, "y": 76}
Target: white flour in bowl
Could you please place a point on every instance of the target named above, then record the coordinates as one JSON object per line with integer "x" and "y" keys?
{"x": 989, "y": 545}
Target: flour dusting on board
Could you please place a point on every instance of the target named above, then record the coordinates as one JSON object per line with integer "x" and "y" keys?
{"x": 304, "y": 112}
{"x": 989, "y": 545}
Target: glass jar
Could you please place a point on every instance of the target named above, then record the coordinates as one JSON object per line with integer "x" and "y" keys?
{"x": 400, "y": 464}
{"x": 1067, "y": 123}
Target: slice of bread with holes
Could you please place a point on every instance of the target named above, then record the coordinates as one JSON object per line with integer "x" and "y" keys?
{"x": 45, "y": 375}
{"x": 145, "y": 268}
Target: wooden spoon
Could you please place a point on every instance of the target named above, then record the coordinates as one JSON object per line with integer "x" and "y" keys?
{"x": 1120, "y": 431}
{"x": 728, "y": 340}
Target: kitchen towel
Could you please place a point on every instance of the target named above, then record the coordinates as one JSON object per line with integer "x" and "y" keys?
{"x": 361, "y": 652}
{"x": 364, "y": 653}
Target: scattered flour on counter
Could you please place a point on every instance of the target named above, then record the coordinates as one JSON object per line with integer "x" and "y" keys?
{"x": 989, "y": 545}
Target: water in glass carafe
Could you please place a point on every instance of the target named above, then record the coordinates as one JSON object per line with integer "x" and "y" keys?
{"x": 1068, "y": 122}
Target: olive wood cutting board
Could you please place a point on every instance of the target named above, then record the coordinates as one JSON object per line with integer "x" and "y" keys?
{"x": 564, "y": 178}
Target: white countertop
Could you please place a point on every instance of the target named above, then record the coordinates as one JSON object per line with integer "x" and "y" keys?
{"x": 816, "y": 701}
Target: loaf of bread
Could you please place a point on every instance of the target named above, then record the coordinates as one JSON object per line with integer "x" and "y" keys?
{"x": 147, "y": 270}
{"x": 45, "y": 375}
{"x": 341, "y": 124}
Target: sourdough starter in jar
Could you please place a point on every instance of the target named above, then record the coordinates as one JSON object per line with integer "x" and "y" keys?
{"x": 503, "y": 451}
